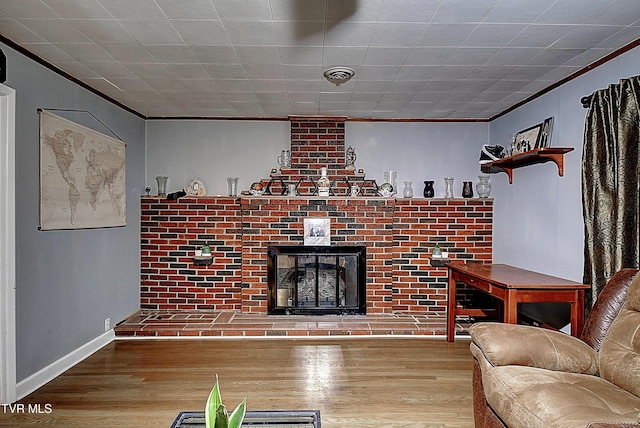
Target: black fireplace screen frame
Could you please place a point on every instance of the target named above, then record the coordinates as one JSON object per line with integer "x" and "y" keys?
{"x": 293, "y": 306}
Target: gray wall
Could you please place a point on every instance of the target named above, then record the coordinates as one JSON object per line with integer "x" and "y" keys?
{"x": 538, "y": 219}
{"x": 68, "y": 282}
{"x": 215, "y": 149}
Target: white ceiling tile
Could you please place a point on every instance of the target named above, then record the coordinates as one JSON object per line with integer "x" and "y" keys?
{"x": 103, "y": 30}
{"x": 73, "y": 9}
{"x": 302, "y": 72}
{"x": 227, "y": 84}
{"x": 343, "y": 56}
{"x": 380, "y": 72}
{"x": 429, "y": 56}
{"x": 56, "y": 31}
{"x": 126, "y": 52}
{"x": 308, "y": 10}
{"x": 456, "y": 11}
{"x": 570, "y": 12}
{"x": 353, "y": 10}
{"x": 146, "y": 70}
{"x": 19, "y": 33}
{"x": 585, "y": 37}
{"x": 513, "y": 56}
{"x": 304, "y": 85}
{"x": 517, "y": 11}
{"x": 493, "y": 35}
{"x": 618, "y": 12}
{"x": 299, "y": 33}
{"x": 136, "y": 10}
{"x": 454, "y": 72}
{"x": 471, "y": 56}
{"x": 349, "y": 34}
{"x": 258, "y": 54}
{"x": 188, "y": 9}
{"x": 264, "y": 71}
{"x": 415, "y": 72}
{"x": 201, "y": 33}
{"x": 442, "y": 35}
{"x": 32, "y": 9}
{"x": 555, "y": 57}
{"x": 407, "y": 86}
{"x": 187, "y": 71}
{"x": 540, "y": 36}
{"x": 53, "y": 52}
{"x": 251, "y": 33}
{"x": 297, "y": 55}
{"x": 245, "y": 10}
{"x": 215, "y": 54}
{"x": 225, "y": 71}
{"x": 179, "y": 54}
{"x": 85, "y": 52}
{"x": 110, "y": 69}
{"x": 621, "y": 38}
{"x": 153, "y": 32}
{"x": 396, "y": 34}
{"x": 386, "y": 55}
{"x": 408, "y": 11}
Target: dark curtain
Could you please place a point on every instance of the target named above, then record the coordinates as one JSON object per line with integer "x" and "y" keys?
{"x": 610, "y": 177}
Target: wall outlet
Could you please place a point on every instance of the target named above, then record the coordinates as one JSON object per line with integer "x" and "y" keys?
{"x": 107, "y": 324}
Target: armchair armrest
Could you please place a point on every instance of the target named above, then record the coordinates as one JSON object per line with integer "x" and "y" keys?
{"x": 511, "y": 344}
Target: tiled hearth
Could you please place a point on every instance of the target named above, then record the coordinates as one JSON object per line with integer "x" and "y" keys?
{"x": 148, "y": 323}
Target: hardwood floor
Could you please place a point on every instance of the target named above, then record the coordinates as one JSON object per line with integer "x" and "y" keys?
{"x": 354, "y": 382}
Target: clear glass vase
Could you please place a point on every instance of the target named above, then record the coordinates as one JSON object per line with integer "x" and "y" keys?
{"x": 448, "y": 187}
{"x": 162, "y": 185}
{"x": 483, "y": 187}
{"x": 408, "y": 190}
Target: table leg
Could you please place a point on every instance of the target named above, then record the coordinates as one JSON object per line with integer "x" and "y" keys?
{"x": 451, "y": 309}
{"x": 577, "y": 314}
{"x": 511, "y": 307}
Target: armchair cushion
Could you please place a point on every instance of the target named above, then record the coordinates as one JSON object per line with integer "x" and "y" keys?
{"x": 530, "y": 397}
{"x": 512, "y": 344}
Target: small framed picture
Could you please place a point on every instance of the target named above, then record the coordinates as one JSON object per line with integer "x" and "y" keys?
{"x": 317, "y": 231}
{"x": 528, "y": 139}
{"x": 545, "y": 134}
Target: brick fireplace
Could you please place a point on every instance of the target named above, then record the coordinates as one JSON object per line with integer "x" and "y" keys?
{"x": 399, "y": 235}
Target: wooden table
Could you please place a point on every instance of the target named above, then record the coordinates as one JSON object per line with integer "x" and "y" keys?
{"x": 513, "y": 285}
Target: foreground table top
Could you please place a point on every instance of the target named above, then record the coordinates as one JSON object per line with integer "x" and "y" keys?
{"x": 264, "y": 418}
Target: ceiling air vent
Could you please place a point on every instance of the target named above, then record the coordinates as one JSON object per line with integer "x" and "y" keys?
{"x": 338, "y": 75}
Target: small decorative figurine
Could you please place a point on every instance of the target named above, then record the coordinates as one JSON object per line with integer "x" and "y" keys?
{"x": 350, "y": 159}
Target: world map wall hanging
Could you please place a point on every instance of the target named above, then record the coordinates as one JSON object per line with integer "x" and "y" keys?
{"x": 82, "y": 176}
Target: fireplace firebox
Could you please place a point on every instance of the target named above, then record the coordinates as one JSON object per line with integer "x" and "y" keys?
{"x": 316, "y": 279}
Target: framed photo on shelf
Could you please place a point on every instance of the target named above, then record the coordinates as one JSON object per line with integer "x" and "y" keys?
{"x": 528, "y": 139}
{"x": 545, "y": 133}
{"x": 317, "y": 231}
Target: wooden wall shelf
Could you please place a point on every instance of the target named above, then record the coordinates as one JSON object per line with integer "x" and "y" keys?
{"x": 532, "y": 157}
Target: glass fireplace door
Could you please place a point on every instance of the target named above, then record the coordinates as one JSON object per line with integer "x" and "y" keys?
{"x": 329, "y": 280}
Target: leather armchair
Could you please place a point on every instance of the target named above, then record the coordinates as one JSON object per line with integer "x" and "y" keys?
{"x": 537, "y": 377}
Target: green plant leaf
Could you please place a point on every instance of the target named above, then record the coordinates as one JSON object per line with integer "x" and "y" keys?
{"x": 213, "y": 403}
{"x": 222, "y": 417}
{"x": 237, "y": 416}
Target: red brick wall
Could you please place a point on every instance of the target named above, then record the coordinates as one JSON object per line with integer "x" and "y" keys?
{"x": 170, "y": 232}
{"x": 399, "y": 235}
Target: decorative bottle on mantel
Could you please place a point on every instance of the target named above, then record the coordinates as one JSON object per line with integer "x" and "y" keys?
{"x": 323, "y": 183}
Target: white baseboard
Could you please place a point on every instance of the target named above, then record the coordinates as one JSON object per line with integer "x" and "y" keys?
{"x": 55, "y": 369}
